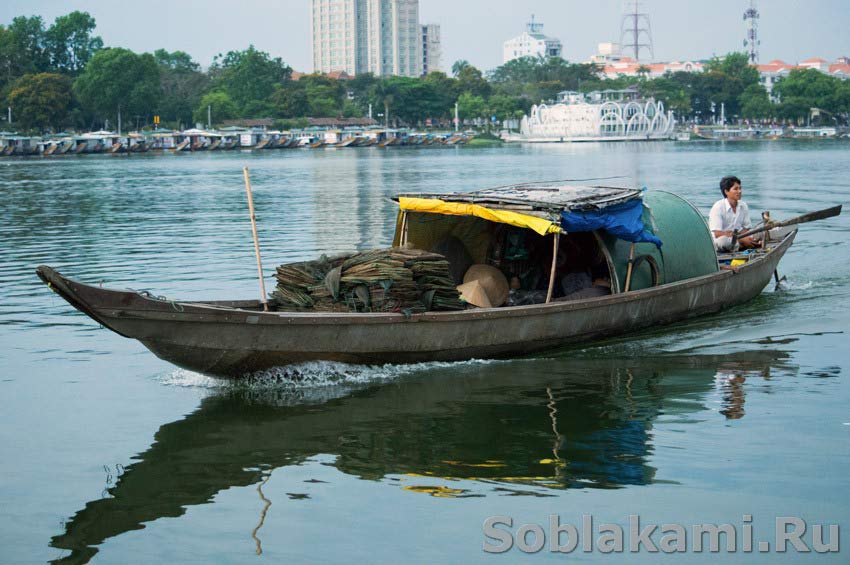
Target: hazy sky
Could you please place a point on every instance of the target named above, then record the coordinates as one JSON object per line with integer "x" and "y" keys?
{"x": 792, "y": 30}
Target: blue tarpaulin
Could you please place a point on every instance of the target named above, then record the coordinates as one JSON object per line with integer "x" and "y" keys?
{"x": 622, "y": 220}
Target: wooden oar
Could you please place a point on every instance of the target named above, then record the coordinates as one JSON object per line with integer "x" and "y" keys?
{"x": 808, "y": 217}
{"x": 263, "y": 298}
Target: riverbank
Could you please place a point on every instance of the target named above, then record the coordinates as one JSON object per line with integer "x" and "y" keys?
{"x": 220, "y": 140}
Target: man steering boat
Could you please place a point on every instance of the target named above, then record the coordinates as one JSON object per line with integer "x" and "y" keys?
{"x": 730, "y": 215}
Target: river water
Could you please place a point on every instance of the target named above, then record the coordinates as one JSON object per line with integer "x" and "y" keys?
{"x": 107, "y": 452}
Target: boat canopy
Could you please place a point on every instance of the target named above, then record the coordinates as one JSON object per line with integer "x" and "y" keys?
{"x": 545, "y": 207}
{"x": 688, "y": 250}
{"x": 551, "y": 197}
{"x": 619, "y": 218}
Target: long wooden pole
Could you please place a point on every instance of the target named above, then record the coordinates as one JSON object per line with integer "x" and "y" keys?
{"x": 549, "y": 292}
{"x": 403, "y": 238}
{"x": 808, "y": 217}
{"x": 263, "y": 298}
{"x": 629, "y": 270}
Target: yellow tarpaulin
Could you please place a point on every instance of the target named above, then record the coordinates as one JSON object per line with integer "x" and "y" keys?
{"x": 435, "y": 206}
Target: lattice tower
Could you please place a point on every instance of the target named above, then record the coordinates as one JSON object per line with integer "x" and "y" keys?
{"x": 635, "y": 30}
{"x": 751, "y": 43}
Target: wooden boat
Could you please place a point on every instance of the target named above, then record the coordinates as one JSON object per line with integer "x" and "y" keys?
{"x": 345, "y": 143}
{"x": 183, "y": 145}
{"x": 117, "y": 147}
{"x": 263, "y": 144}
{"x": 232, "y": 338}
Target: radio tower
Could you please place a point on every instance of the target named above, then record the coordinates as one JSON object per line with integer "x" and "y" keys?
{"x": 751, "y": 16}
{"x": 635, "y": 31}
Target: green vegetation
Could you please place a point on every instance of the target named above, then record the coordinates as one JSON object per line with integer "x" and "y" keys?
{"x": 484, "y": 140}
{"x": 61, "y": 77}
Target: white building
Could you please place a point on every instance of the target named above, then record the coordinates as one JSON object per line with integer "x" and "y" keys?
{"x": 776, "y": 70}
{"x": 382, "y": 37}
{"x": 609, "y": 115}
{"x": 532, "y": 43}
{"x": 628, "y": 67}
{"x": 607, "y": 53}
{"x": 432, "y": 50}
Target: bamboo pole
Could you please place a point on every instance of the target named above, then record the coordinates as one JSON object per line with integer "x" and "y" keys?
{"x": 403, "y": 238}
{"x": 557, "y": 237}
{"x": 629, "y": 270}
{"x": 263, "y": 298}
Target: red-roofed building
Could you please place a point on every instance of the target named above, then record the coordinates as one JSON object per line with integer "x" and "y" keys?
{"x": 840, "y": 70}
{"x": 817, "y": 64}
{"x": 630, "y": 68}
{"x": 772, "y": 72}
{"x": 775, "y": 70}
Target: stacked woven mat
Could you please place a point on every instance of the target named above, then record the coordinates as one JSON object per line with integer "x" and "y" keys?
{"x": 383, "y": 280}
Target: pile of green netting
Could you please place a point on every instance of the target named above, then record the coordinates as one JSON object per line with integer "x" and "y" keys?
{"x": 383, "y": 280}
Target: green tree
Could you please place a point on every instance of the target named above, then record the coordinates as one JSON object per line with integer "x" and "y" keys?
{"x": 803, "y": 89}
{"x": 220, "y": 106}
{"x": 324, "y": 94}
{"x": 290, "y": 100}
{"x": 249, "y": 75}
{"x": 671, "y": 92}
{"x": 735, "y": 66}
{"x": 175, "y": 61}
{"x": 726, "y": 80}
{"x": 41, "y": 101}
{"x": 384, "y": 94}
{"x": 458, "y": 66}
{"x": 445, "y": 91}
{"x": 471, "y": 106}
{"x": 507, "y": 107}
{"x": 541, "y": 78}
{"x": 350, "y": 109}
{"x": 182, "y": 84}
{"x": 22, "y": 49}
{"x": 119, "y": 80}
{"x": 472, "y": 80}
{"x": 755, "y": 103}
{"x": 69, "y": 42}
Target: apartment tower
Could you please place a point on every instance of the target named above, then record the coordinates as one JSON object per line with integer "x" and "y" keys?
{"x": 431, "y": 48}
{"x": 382, "y": 37}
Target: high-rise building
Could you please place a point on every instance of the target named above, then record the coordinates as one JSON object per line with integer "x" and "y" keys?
{"x": 431, "y": 48}
{"x": 358, "y": 36}
{"x": 532, "y": 43}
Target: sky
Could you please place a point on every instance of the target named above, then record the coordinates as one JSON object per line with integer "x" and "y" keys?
{"x": 474, "y": 30}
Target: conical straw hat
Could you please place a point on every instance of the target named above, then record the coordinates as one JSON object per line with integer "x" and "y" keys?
{"x": 492, "y": 279}
{"x": 474, "y": 293}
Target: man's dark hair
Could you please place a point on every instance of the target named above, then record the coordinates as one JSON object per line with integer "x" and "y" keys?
{"x": 728, "y": 182}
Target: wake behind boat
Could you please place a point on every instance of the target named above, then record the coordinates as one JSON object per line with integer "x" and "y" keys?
{"x": 537, "y": 234}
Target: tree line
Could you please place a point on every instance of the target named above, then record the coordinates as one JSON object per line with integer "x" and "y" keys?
{"x": 62, "y": 76}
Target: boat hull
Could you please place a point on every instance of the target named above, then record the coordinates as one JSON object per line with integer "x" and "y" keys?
{"x": 237, "y": 338}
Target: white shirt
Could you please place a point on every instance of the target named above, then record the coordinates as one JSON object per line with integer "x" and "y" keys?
{"x": 723, "y": 218}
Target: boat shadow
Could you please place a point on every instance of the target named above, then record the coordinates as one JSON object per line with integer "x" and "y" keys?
{"x": 531, "y": 427}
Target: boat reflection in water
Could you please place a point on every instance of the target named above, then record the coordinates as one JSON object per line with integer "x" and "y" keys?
{"x": 521, "y": 427}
